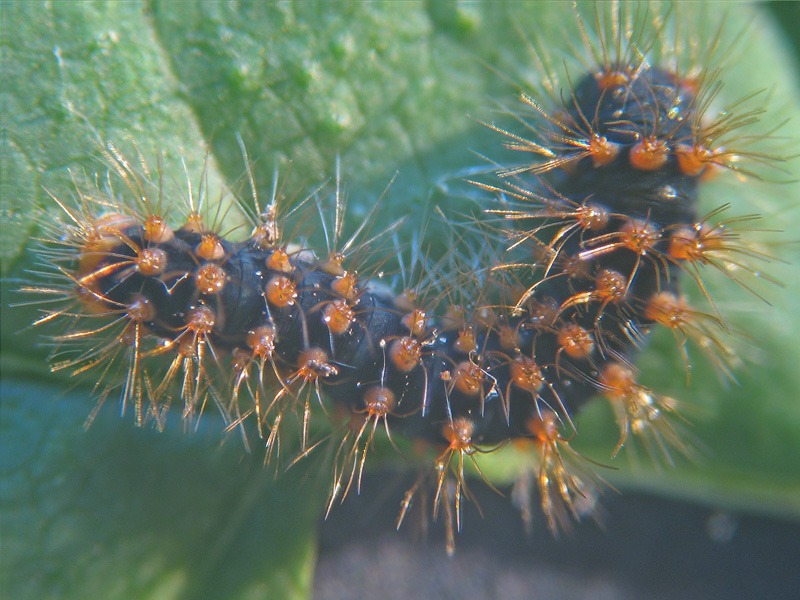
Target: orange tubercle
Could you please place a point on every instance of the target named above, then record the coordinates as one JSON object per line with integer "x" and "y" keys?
{"x": 157, "y": 231}
{"x": 405, "y": 353}
{"x": 576, "y": 341}
{"x": 210, "y": 279}
{"x": 468, "y": 378}
{"x": 649, "y": 154}
{"x": 151, "y": 261}
{"x": 210, "y": 248}
{"x": 279, "y": 261}
{"x": 338, "y": 316}
{"x": 281, "y": 291}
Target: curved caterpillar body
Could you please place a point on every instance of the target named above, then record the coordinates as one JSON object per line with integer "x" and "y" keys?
{"x": 604, "y": 225}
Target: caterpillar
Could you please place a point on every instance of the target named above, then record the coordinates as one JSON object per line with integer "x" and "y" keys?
{"x": 559, "y": 323}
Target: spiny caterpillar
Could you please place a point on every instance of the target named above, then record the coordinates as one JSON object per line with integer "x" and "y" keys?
{"x": 509, "y": 346}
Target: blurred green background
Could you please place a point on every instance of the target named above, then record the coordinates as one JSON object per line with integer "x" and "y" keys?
{"x": 117, "y": 512}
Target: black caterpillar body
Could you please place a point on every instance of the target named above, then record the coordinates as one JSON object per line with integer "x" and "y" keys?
{"x": 596, "y": 233}
{"x": 488, "y": 371}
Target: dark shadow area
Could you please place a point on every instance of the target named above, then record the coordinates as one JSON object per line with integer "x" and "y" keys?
{"x": 785, "y": 13}
{"x": 649, "y": 547}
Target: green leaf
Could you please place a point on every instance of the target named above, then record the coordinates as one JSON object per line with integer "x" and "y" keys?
{"x": 387, "y": 87}
{"x": 120, "y": 512}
